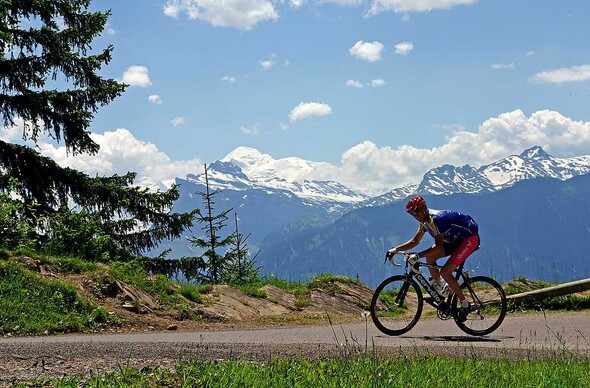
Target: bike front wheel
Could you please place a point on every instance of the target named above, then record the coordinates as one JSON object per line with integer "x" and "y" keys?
{"x": 488, "y": 305}
{"x": 396, "y": 305}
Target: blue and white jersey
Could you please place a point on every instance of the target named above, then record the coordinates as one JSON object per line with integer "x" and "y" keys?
{"x": 453, "y": 226}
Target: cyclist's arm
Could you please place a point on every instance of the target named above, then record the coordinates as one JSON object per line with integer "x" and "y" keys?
{"x": 436, "y": 251}
{"x": 413, "y": 242}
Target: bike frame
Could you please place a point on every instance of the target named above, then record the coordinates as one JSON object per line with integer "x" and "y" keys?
{"x": 436, "y": 300}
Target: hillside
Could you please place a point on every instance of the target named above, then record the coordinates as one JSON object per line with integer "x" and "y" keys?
{"x": 68, "y": 295}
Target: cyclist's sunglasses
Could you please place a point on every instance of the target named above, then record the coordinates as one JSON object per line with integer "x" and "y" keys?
{"x": 416, "y": 210}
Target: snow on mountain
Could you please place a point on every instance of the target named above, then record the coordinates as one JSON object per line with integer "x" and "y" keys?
{"x": 246, "y": 168}
{"x": 262, "y": 167}
{"x": 390, "y": 196}
{"x": 531, "y": 163}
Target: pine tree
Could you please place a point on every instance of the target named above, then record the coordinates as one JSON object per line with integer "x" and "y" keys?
{"x": 241, "y": 269}
{"x": 49, "y": 80}
{"x": 215, "y": 262}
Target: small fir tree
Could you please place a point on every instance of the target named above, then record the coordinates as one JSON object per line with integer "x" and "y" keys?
{"x": 241, "y": 269}
{"x": 215, "y": 263}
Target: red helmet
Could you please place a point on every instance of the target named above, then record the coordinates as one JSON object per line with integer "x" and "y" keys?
{"x": 415, "y": 204}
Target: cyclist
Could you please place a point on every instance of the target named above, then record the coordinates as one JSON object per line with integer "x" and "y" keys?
{"x": 455, "y": 235}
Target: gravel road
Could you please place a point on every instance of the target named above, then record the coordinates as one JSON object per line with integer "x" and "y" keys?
{"x": 521, "y": 335}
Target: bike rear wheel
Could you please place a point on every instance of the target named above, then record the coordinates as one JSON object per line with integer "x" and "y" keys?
{"x": 396, "y": 305}
{"x": 488, "y": 305}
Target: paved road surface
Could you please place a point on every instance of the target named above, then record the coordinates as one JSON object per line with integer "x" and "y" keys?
{"x": 520, "y": 335}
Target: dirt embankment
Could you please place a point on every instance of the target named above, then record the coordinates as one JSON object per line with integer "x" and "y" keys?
{"x": 225, "y": 305}
{"x": 136, "y": 310}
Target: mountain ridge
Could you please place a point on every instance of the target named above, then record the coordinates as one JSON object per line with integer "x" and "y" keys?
{"x": 246, "y": 168}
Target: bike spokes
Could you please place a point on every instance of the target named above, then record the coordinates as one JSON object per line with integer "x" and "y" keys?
{"x": 396, "y": 305}
{"x": 488, "y": 305}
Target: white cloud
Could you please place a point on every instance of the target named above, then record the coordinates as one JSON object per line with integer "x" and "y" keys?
{"x": 239, "y": 14}
{"x": 404, "y": 48}
{"x": 354, "y": 84}
{"x": 530, "y": 53}
{"x": 373, "y": 170}
{"x": 269, "y": 63}
{"x": 155, "y": 99}
{"x": 370, "y": 52}
{"x": 343, "y": 2}
{"x": 120, "y": 152}
{"x": 229, "y": 79}
{"x": 13, "y": 134}
{"x": 564, "y": 74}
{"x": 377, "y": 83}
{"x": 254, "y": 131}
{"x": 453, "y": 127}
{"x": 309, "y": 109}
{"x": 137, "y": 76}
{"x": 283, "y": 126}
{"x": 502, "y": 66}
{"x": 407, "y": 6}
{"x": 110, "y": 30}
{"x": 296, "y": 3}
{"x": 178, "y": 121}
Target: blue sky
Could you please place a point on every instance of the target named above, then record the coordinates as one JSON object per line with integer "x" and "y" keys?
{"x": 382, "y": 90}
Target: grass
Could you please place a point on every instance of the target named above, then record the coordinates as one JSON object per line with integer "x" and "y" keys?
{"x": 30, "y": 304}
{"x": 69, "y": 265}
{"x": 354, "y": 371}
{"x": 558, "y": 303}
{"x": 514, "y": 289}
{"x": 295, "y": 288}
{"x": 327, "y": 282}
{"x": 253, "y": 289}
{"x": 194, "y": 292}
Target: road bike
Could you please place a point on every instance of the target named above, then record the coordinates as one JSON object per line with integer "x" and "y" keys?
{"x": 398, "y": 301}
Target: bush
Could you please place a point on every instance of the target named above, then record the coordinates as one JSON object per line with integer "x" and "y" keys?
{"x": 14, "y": 228}
{"x": 32, "y": 305}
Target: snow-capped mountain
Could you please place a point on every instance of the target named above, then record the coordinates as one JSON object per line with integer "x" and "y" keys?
{"x": 532, "y": 163}
{"x": 247, "y": 168}
{"x": 391, "y": 196}
{"x": 285, "y": 213}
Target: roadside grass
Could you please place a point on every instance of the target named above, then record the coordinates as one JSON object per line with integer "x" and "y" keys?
{"x": 295, "y": 288}
{"x": 511, "y": 289}
{"x": 301, "y": 291}
{"x": 30, "y": 304}
{"x": 355, "y": 371}
{"x": 194, "y": 292}
{"x": 73, "y": 265}
{"x": 253, "y": 289}
{"x": 159, "y": 286}
{"x": 557, "y": 303}
{"x": 328, "y": 281}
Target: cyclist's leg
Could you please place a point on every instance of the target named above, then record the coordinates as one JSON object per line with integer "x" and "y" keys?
{"x": 431, "y": 259}
{"x": 466, "y": 248}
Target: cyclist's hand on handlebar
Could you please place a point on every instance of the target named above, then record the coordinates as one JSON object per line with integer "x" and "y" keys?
{"x": 390, "y": 253}
{"x": 412, "y": 258}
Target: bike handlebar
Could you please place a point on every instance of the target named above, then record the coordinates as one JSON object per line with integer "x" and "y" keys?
{"x": 405, "y": 254}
